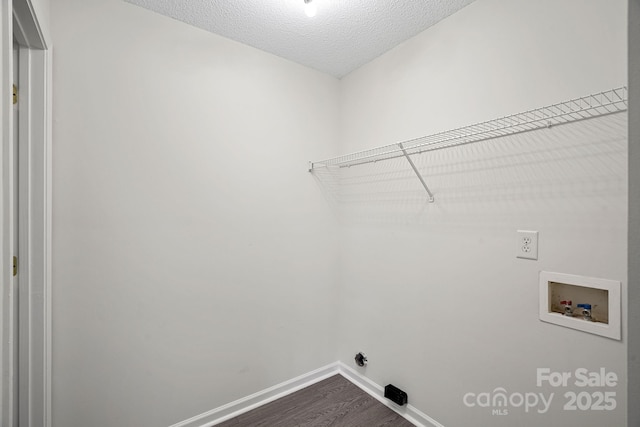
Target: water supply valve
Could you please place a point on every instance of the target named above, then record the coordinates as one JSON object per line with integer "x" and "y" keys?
{"x": 361, "y": 359}
{"x": 586, "y": 311}
{"x": 568, "y": 309}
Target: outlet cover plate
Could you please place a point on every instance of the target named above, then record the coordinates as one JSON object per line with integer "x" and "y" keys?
{"x": 527, "y": 244}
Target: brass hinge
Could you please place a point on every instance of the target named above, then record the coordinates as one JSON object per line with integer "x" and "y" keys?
{"x": 15, "y": 94}
{"x": 15, "y": 265}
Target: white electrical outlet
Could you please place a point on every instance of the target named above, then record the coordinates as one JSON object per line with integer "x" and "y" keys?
{"x": 527, "y": 244}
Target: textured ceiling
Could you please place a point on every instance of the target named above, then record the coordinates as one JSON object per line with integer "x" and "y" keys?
{"x": 344, "y": 34}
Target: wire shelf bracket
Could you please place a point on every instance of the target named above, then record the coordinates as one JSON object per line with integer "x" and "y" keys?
{"x": 587, "y": 107}
{"x": 415, "y": 169}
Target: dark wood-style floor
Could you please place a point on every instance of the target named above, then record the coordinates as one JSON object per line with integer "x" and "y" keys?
{"x": 331, "y": 402}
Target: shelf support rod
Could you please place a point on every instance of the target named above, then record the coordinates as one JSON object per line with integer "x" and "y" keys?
{"x": 415, "y": 169}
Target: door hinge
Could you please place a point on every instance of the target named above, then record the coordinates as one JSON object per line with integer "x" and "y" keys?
{"x": 15, "y": 265}
{"x": 15, "y": 94}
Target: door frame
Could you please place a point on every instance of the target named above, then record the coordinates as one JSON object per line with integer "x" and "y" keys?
{"x": 19, "y": 18}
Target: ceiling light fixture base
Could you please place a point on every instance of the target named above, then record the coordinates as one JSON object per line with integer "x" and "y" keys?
{"x": 310, "y": 8}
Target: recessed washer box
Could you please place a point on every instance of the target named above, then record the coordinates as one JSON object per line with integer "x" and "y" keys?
{"x": 602, "y": 294}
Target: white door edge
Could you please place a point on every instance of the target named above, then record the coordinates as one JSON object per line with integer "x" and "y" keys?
{"x": 34, "y": 215}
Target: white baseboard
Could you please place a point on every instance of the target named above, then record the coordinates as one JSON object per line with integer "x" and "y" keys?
{"x": 246, "y": 404}
{"x": 410, "y": 412}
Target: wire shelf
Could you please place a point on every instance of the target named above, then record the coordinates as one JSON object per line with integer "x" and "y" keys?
{"x": 587, "y": 107}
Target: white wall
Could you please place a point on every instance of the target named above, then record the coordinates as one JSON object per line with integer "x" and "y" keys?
{"x": 433, "y": 293}
{"x": 634, "y": 211}
{"x": 194, "y": 258}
